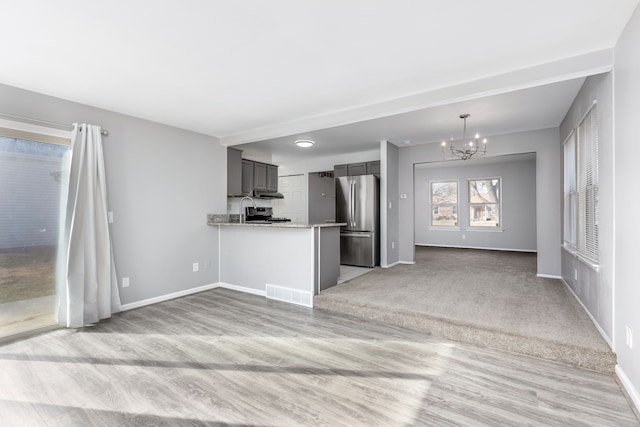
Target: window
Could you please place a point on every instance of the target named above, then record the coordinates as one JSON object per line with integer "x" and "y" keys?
{"x": 484, "y": 203}
{"x": 32, "y": 173}
{"x": 570, "y": 191}
{"x": 444, "y": 203}
{"x": 585, "y": 220}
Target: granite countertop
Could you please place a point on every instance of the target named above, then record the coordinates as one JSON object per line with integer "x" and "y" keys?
{"x": 234, "y": 220}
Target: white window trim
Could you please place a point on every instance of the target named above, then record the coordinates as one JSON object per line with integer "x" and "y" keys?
{"x": 31, "y": 132}
{"x": 432, "y": 227}
{"x": 478, "y": 228}
{"x": 586, "y": 261}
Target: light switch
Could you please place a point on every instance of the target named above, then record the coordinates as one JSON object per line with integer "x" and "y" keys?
{"x": 110, "y": 217}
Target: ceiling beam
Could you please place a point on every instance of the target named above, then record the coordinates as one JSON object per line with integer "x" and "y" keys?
{"x": 564, "y": 69}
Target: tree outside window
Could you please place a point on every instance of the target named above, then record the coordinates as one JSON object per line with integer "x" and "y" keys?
{"x": 444, "y": 203}
{"x": 484, "y": 202}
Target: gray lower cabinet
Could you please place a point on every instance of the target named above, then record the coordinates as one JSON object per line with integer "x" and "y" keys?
{"x": 247, "y": 177}
{"x": 234, "y": 172}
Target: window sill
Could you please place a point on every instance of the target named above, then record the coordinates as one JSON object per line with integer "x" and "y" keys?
{"x": 486, "y": 230}
{"x": 435, "y": 228}
{"x": 581, "y": 258}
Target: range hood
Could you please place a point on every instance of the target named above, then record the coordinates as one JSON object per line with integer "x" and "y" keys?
{"x": 267, "y": 195}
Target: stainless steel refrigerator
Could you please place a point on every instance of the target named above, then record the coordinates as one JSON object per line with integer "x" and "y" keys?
{"x": 357, "y": 204}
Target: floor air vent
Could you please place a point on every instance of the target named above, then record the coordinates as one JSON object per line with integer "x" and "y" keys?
{"x": 293, "y": 296}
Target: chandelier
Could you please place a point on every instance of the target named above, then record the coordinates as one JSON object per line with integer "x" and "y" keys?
{"x": 469, "y": 148}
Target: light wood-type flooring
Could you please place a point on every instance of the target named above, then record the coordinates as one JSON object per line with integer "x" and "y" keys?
{"x": 222, "y": 357}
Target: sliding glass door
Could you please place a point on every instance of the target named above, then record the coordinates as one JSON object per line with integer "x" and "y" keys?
{"x": 31, "y": 193}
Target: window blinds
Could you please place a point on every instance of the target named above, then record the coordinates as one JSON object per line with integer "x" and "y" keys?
{"x": 570, "y": 191}
{"x": 587, "y": 187}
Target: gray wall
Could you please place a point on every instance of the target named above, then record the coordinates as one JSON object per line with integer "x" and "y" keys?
{"x": 389, "y": 205}
{"x": 322, "y": 198}
{"x": 162, "y": 181}
{"x": 545, "y": 143}
{"x": 518, "y": 204}
{"x": 627, "y": 202}
{"x": 595, "y": 289}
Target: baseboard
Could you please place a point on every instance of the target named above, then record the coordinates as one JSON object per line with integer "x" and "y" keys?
{"x": 604, "y": 335}
{"x": 390, "y": 265}
{"x": 628, "y": 386}
{"x": 478, "y": 247}
{"x": 154, "y": 300}
{"x": 242, "y": 289}
{"x": 407, "y": 262}
{"x": 548, "y": 276}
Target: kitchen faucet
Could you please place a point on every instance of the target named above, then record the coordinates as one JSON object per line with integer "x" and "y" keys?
{"x": 242, "y": 200}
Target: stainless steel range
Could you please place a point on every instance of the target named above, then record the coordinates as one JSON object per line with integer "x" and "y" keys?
{"x": 259, "y": 214}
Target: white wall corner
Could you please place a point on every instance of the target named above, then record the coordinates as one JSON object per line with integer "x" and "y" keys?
{"x": 383, "y": 201}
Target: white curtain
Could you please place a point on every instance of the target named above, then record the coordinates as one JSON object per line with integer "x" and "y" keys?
{"x": 90, "y": 285}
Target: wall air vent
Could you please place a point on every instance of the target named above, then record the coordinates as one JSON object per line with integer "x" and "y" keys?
{"x": 292, "y": 296}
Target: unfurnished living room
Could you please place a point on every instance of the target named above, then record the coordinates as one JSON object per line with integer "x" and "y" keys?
{"x": 319, "y": 213}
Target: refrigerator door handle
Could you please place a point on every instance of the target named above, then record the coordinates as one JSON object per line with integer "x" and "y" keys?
{"x": 363, "y": 235}
{"x": 350, "y": 202}
{"x": 355, "y": 198}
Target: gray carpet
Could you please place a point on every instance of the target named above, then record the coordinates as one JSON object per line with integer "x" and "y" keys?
{"x": 481, "y": 297}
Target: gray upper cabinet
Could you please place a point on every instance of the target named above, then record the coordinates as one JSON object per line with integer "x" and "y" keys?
{"x": 373, "y": 168}
{"x": 340, "y": 170}
{"x": 234, "y": 172}
{"x": 259, "y": 176}
{"x": 272, "y": 178}
{"x": 247, "y": 177}
{"x": 357, "y": 169}
{"x": 354, "y": 169}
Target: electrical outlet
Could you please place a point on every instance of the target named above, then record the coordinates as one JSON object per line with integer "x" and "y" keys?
{"x": 110, "y": 217}
{"x": 464, "y": 236}
{"x": 390, "y": 205}
{"x": 125, "y": 282}
{"x": 629, "y": 333}
{"x": 196, "y": 267}
{"x": 393, "y": 245}
{"x": 575, "y": 274}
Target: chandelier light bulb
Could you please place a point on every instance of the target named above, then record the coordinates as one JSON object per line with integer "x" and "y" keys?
{"x": 477, "y": 135}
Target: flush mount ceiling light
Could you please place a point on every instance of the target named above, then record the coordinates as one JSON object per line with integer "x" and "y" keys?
{"x": 469, "y": 149}
{"x": 304, "y": 143}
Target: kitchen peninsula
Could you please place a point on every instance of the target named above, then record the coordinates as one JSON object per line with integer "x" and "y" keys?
{"x": 286, "y": 261}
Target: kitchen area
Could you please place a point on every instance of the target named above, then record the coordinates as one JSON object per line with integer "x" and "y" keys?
{"x": 286, "y": 259}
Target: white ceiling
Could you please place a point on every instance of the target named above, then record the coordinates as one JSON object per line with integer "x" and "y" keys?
{"x": 243, "y": 70}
